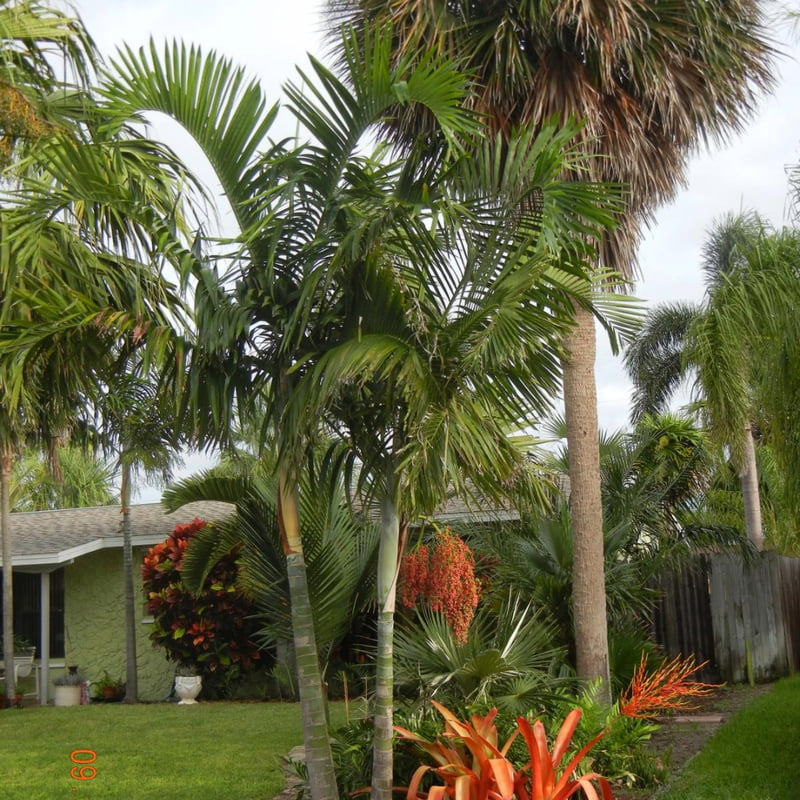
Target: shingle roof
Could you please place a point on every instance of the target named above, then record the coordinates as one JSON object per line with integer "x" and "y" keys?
{"x": 42, "y": 538}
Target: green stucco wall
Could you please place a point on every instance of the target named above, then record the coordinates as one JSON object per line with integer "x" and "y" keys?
{"x": 94, "y": 624}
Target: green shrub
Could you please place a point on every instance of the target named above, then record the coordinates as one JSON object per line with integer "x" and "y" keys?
{"x": 622, "y": 754}
{"x": 508, "y": 659}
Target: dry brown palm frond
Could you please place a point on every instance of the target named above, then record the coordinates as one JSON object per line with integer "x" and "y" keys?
{"x": 652, "y": 80}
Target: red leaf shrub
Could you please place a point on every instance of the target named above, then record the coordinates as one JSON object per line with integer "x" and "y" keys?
{"x": 443, "y": 577}
{"x": 211, "y": 630}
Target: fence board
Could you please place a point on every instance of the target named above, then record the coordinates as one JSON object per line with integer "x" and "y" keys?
{"x": 723, "y": 607}
{"x": 682, "y": 617}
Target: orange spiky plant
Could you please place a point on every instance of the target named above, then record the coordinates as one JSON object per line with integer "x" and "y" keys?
{"x": 666, "y": 689}
{"x": 472, "y": 766}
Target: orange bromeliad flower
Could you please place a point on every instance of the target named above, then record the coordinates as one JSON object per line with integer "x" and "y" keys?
{"x": 666, "y": 689}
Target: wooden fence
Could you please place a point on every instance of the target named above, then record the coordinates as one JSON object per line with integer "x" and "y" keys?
{"x": 742, "y": 617}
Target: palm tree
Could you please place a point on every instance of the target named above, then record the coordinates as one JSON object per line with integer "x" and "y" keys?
{"x": 438, "y": 359}
{"x": 36, "y": 40}
{"x": 87, "y": 481}
{"x": 302, "y": 214}
{"x": 30, "y": 35}
{"x": 509, "y": 658}
{"x": 731, "y": 343}
{"x": 341, "y": 547}
{"x": 73, "y": 277}
{"x": 651, "y": 84}
{"x": 656, "y": 481}
{"x": 143, "y": 434}
{"x": 321, "y": 227}
{"x": 46, "y": 412}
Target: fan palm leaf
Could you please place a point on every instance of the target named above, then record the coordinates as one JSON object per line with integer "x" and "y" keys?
{"x": 506, "y": 645}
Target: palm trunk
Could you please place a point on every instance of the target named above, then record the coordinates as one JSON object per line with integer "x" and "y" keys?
{"x": 588, "y": 566}
{"x": 319, "y": 759}
{"x": 748, "y": 477}
{"x": 388, "y": 560}
{"x": 131, "y": 673}
{"x": 6, "y": 462}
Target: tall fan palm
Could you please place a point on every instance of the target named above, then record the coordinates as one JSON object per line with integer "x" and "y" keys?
{"x": 651, "y": 83}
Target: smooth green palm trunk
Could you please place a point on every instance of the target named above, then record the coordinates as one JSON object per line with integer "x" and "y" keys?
{"x": 319, "y": 759}
{"x": 388, "y": 559}
{"x": 131, "y": 673}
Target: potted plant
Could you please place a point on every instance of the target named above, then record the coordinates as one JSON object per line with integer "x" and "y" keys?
{"x": 109, "y": 689}
{"x": 68, "y": 688}
{"x": 22, "y": 647}
{"x": 188, "y": 683}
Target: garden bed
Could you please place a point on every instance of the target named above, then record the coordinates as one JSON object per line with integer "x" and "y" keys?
{"x": 680, "y": 738}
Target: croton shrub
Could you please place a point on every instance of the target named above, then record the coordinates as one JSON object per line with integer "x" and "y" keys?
{"x": 212, "y": 630}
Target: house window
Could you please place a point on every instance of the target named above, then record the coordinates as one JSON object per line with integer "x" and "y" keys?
{"x": 28, "y": 610}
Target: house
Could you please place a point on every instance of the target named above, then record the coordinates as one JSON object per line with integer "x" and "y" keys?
{"x": 68, "y": 589}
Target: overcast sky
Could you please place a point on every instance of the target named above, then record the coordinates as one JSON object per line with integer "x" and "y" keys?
{"x": 269, "y": 38}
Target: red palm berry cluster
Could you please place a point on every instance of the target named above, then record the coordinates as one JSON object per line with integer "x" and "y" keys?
{"x": 442, "y": 576}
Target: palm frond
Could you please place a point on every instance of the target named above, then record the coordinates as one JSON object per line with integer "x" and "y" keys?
{"x": 657, "y": 361}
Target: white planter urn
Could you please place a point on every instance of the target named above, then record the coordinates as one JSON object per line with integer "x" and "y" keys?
{"x": 187, "y": 687}
{"x": 67, "y": 696}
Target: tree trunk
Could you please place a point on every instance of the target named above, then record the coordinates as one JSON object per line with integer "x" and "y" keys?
{"x": 588, "y": 567}
{"x": 388, "y": 560}
{"x": 131, "y": 672}
{"x": 748, "y": 477}
{"x": 319, "y": 759}
{"x": 6, "y": 462}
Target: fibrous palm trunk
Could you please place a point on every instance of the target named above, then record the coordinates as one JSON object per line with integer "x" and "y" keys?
{"x": 588, "y": 572}
{"x": 131, "y": 673}
{"x": 6, "y": 462}
{"x": 319, "y": 759}
{"x": 388, "y": 560}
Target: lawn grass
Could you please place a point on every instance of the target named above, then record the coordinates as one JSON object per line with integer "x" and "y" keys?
{"x": 149, "y": 752}
{"x": 755, "y": 756}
